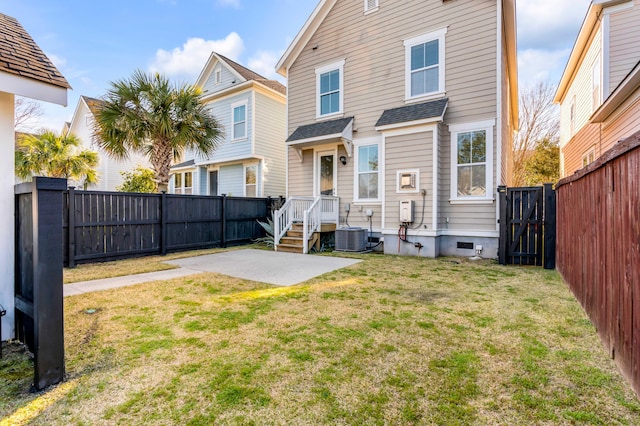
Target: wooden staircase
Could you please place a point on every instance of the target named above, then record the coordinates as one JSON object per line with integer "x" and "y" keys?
{"x": 292, "y": 242}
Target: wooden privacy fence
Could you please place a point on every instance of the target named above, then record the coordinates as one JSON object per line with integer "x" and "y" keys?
{"x": 598, "y": 249}
{"x": 101, "y": 226}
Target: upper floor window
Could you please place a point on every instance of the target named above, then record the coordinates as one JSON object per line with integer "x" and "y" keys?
{"x": 424, "y": 64}
{"x": 472, "y": 161}
{"x": 330, "y": 90}
{"x": 370, "y": 6}
{"x": 595, "y": 85}
{"x": 572, "y": 116}
{"x": 183, "y": 183}
{"x": 251, "y": 181}
{"x": 239, "y": 125}
{"x": 218, "y": 76}
{"x": 367, "y": 172}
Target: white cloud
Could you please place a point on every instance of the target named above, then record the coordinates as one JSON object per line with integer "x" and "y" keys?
{"x": 264, "y": 63}
{"x": 536, "y": 65}
{"x": 187, "y": 61}
{"x": 229, "y": 3}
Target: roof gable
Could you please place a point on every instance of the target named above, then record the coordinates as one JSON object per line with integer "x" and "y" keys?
{"x": 21, "y": 56}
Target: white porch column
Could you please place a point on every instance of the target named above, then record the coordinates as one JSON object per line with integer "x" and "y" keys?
{"x": 7, "y": 213}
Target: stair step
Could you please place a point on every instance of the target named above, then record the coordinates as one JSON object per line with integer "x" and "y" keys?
{"x": 288, "y": 248}
{"x": 292, "y": 233}
{"x": 295, "y": 241}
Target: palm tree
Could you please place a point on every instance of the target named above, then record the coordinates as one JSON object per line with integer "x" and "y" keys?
{"x": 147, "y": 114}
{"x": 53, "y": 155}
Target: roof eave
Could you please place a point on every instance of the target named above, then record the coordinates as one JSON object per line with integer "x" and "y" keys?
{"x": 618, "y": 97}
{"x": 304, "y": 35}
{"x": 33, "y": 89}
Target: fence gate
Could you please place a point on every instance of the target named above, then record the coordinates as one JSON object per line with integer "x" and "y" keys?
{"x": 527, "y": 226}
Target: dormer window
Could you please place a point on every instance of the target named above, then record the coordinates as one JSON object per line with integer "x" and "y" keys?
{"x": 370, "y": 6}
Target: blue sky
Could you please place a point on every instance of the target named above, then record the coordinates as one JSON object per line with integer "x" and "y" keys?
{"x": 93, "y": 43}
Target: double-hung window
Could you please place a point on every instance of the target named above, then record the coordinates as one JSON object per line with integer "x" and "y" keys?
{"x": 368, "y": 172}
{"x": 183, "y": 183}
{"x": 330, "y": 90}
{"x": 239, "y": 125}
{"x": 472, "y": 161}
{"x": 424, "y": 65}
{"x": 251, "y": 181}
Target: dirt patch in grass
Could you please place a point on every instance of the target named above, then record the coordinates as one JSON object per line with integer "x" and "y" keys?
{"x": 391, "y": 340}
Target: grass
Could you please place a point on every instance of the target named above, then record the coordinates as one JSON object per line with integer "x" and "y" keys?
{"x": 391, "y": 340}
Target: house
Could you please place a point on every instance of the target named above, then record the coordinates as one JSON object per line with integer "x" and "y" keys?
{"x": 250, "y": 161}
{"x": 599, "y": 92}
{"x": 400, "y": 121}
{"x": 109, "y": 168}
{"x": 24, "y": 71}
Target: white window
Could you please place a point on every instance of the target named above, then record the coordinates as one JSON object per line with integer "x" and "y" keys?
{"x": 330, "y": 90}
{"x": 472, "y": 161}
{"x": 218, "y": 75}
{"x": 424, "y": 65}
{"x": 572, "y": 116}
{"x": 239, "y": 125}
{"x": 589, "y": 156}
{"x": 367, "y": 172}
{"x": 408, "y": 181}
{"x": 370, "y": 6}
{"x": 183, "y": 183}
{"x": 251, "y": 181}
{"x": 595, "y": 85}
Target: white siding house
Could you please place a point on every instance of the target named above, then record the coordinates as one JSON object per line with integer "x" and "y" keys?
{"x": 406, "y": 107}
{"x": 250, "y": 162}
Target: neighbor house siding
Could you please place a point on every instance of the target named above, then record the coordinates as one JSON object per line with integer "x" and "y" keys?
{"x": 623, "y": 123}
{"x": 580, "y": 88}
{"x": 624, "y": 44}
{"x": 420, "y": 148}
{"x": 269, "y": 135}
{"x": 374, "y": 71}
{"x": 228, "y": 79}
{"x": 231, "y": 180}
{"x": 586, "y": 138}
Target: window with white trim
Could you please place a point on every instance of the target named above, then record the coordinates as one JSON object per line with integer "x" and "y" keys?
{"x": 218, "y": 76}
{"x": 572, "y": 116}
{"x": 239, "y": 118}
{"x": 424, "y": 65}
{"x": 595, "y": 85}
{"x": 370, "y": 6}
{"x": 251, "y": 181}
{"x": 183, "y": 183}
{"x": 472, "y": 161}
{"x": 329, "y": 89}
{"x": 589, "y": 156}
{"x": 367, "y": 172}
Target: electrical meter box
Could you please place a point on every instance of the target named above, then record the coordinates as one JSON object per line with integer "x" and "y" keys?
{"x": 406, "y": 211}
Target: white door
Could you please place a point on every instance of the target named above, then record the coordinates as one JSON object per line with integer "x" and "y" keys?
{"x": 326, "y": 173}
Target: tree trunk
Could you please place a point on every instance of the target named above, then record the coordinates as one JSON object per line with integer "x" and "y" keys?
{"x": 161, "y": 157}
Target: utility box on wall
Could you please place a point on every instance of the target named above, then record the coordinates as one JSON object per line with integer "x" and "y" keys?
{"x": 406, "y": 211}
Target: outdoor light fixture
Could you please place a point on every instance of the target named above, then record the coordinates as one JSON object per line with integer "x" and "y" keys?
{"x": 343, "y": 160}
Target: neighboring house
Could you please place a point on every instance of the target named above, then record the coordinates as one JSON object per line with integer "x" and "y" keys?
{"x": 24, "y": 71}
{"x": 250, "y": 161}
{"x": 402, "y": 114}
{"x": 599, "y": 92}
{"x": 109, "y": 169}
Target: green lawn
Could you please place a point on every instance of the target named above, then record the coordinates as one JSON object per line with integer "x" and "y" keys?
{"x": 391, "y": 340}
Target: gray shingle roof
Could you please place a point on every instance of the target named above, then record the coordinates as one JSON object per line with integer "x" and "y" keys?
{"x": 323, "y": 128}
{"x": 21, "y": 56}
{"x": 252, "y": 75}
{"x": 184, "y": 164}
{"x": 423, "y": 111}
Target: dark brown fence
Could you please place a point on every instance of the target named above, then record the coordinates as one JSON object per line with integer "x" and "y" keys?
{"x": 598, "y": 249}
{"x": 101, "y": 226}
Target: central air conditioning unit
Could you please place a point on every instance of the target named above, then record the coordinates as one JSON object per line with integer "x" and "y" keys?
{"x": 351, "y": 239}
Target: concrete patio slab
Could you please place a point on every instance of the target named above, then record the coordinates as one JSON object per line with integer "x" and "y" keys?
{"x": 278, "y": 268}
{"x": 282, "y": 269}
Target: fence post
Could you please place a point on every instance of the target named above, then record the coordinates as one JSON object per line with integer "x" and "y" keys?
{"x": 223, "y": 238}
{"x": 549, "y": 261}
{"x": 502, "y": 242}
{"x": 71, "y": 227}
{"x": 163, "y": 223}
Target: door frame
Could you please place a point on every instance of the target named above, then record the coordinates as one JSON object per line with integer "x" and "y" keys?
{"x": 318, "y": 153}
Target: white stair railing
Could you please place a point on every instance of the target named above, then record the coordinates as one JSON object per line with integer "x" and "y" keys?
{"x": 312, "y": 212}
